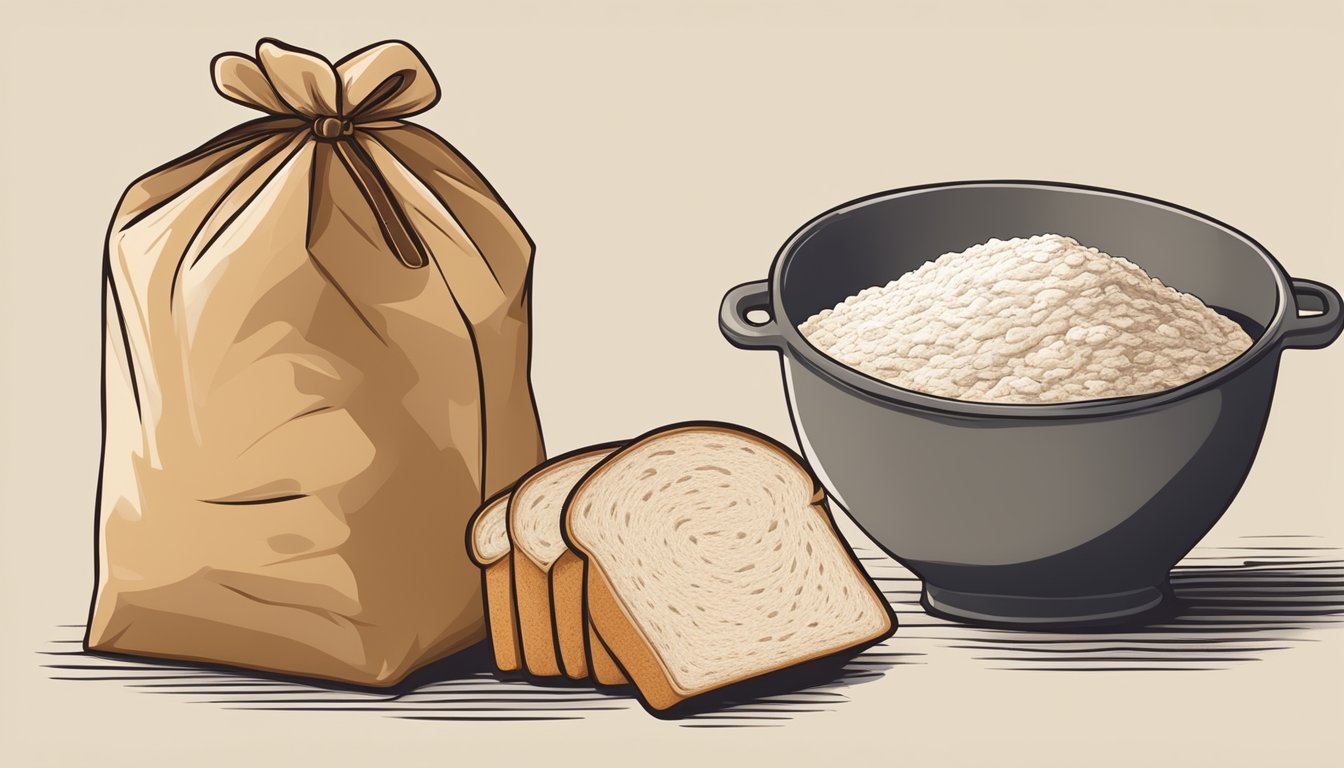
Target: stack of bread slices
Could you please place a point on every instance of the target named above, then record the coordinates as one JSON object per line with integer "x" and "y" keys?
{"x": 695, "y": 557}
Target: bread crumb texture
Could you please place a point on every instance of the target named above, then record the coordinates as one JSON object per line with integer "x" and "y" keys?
{"x": 713, "y": 545}
{"x": 1035, "y": 320}
{"x": 537, "y": 502}
{"x": 491, "y": 532}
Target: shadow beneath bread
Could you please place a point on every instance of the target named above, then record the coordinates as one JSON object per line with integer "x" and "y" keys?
{"x": 463, "y": 687}
{"x": 781, "y": 696}
{"x": 1220, "y": 616}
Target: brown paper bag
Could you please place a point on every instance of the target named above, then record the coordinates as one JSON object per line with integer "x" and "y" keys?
{"x": 316, "y": 367}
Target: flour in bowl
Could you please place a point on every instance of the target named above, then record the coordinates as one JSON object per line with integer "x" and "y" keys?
{"x": 1035, "y": 320}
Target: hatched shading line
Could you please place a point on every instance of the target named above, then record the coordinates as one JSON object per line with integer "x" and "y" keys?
{"x": 1233, "y": 605}
{"x": 461, "y": 688}
{"x": 458, "y": 688}
{"x": 1240, "y": 611}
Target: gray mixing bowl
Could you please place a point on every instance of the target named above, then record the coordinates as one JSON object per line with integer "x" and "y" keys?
{"x": 1031, "y": 514}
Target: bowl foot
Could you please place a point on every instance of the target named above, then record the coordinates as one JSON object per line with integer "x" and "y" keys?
{"x": 1041, "y": 612}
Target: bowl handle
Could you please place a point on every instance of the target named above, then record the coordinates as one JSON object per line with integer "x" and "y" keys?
{"x": 1312, "y": 331}
{"x": 733, "y": 321}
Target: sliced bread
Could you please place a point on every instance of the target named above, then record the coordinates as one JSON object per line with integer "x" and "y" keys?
{"x": 534, "y": 529}
{"x": 712, "y": 559}
{"x": 488, "y": 545}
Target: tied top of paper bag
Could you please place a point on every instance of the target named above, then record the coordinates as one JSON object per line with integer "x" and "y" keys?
{"x": 384, "y": 82}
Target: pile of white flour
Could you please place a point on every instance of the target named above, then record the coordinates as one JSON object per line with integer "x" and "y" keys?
{"x": 1035, "y": 320}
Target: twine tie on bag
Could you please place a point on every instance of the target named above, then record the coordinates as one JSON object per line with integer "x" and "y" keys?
{"x": 332, "y": 128}
{"x": 385, "y": 82}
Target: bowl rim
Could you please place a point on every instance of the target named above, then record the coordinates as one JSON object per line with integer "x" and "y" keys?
{"x": 796, "y": 346}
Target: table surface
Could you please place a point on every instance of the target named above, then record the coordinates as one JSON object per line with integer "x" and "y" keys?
{"x": 1256, "y": 612}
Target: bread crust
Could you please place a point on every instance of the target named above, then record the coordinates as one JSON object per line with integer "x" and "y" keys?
{"x": 581, "y": 651}
{"x": 600, "y": 662}
{"x": 501, "y": 618}
{"x": 639, "y": 661}
{"x": 532, "y": 600}
{"x": 567, "y": 608}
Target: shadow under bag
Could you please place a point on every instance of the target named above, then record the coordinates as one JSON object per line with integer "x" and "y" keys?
{"x": 315, "y": 370}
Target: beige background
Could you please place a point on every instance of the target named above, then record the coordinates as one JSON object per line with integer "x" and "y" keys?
{"x": 659, "y": 157}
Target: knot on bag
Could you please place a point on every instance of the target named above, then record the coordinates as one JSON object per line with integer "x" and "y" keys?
{"x": 332, "y": 128}
{"x": 386, "y": 81}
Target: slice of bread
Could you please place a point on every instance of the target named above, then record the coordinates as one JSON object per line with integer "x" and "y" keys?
{"x": 534, "y": 529}
{"x": 489, "y": 548}
{"x": 712, "y": 559}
